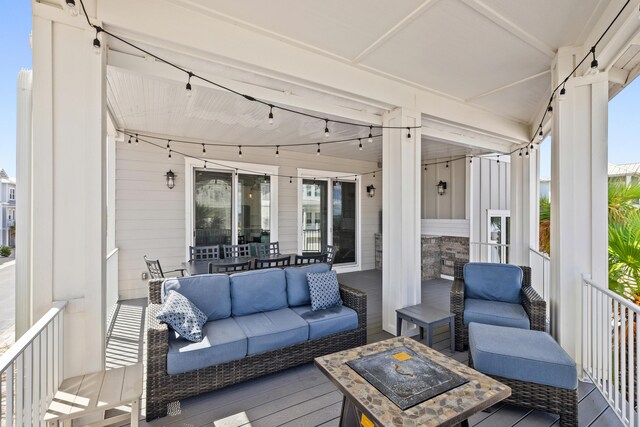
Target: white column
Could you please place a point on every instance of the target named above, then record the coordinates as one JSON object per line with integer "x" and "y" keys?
{"x": 23, "y": 203}
{"x": 68, "y": 184}
{"x": 578, "y": 198}
{"x": 524, "y": 205}
{"x": 401, "y": 255}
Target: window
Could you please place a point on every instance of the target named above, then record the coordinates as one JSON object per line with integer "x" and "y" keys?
{"x": 12, "y": 194}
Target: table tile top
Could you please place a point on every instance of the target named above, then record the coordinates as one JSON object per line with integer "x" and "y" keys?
{"x": 446, "y": 409}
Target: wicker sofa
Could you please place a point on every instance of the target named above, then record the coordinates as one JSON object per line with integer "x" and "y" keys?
{"x": 533, "y": 304}
{"x": 163, "y": 387}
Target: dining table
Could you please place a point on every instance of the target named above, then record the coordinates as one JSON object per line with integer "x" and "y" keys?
{"x": 193, "y": 268}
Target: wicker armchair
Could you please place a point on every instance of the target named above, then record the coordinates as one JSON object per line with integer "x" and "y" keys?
{"x": 533, "y": 304}
{"x": 163, "y": 388}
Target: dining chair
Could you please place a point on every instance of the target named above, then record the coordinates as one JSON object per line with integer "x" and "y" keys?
{"x": 330, "y": 251}
{"x": 229, "y": 268}
{"x": 155, "y": 270}
{"x": 203, "y": 253}
{"x": 284, "y": 261}
{"x": 236, "y": 251}
{"x": 266, "y": 249}
{"x": 310, "y": 259}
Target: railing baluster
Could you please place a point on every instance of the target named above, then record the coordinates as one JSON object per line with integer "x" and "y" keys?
{"x": 28, "y": 380}
{"x": 20, "y": 390}
{"x": 616, "y": 353}
{"x": 631, "y": 365}
{"x": 9, "y": 391}
{"x": 623, "y": 362}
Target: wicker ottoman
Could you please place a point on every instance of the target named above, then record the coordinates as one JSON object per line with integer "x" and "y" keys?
{"x": 540, "y": 373}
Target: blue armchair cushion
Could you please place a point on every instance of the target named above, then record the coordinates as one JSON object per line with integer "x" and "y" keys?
{"x": 182, "y": 316}
{"x": 211, "y": 293}
{"x": 272, "y": 330}
{"x": 324, "y": 290}
{"x": 258, "y": 290}
{"x": 223, "y": 341}
{"x": 493, "y": 282}
{"x": 495, "y": 313}
{"x": 329, "y": 321}
{"x": 298, "y": 285}
{"x": 523, "y": 355}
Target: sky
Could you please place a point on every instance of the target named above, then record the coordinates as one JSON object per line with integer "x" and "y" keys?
{"x": 15, "y": 27}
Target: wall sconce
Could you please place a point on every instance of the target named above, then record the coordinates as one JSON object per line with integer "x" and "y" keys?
{"x": 371, "y": 190}
{"x": 171, "y": 179}
{"x": 441, "y": 187}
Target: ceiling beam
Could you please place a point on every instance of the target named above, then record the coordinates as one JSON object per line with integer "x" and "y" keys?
{"x": 507, "y": 86}
{"x": 395, "y": 29}
{"x": 509, "y": 26}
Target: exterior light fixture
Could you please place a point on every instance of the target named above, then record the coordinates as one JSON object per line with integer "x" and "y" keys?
{"x": 371, "y": 190}
{"x": 442, "y": 186}
{"x": 171, "y": 179}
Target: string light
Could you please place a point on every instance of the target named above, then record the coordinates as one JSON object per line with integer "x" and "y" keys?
{"x": 370, "y": 139}
{"x": 130, "y": 139}
{"x": 270, "y": 114}
{"x": 408, "y": 133}
{"x": 532, "y": 147}
{"x": 205, "y": 164}
{"x": 540, "y": 136}
{"x": 71, "y": 4}
{"x": 471, "y": 159}
{"x": 326, "y": 128}
{"x": 498, "y": 160}
{"x": 204, "y": 150}
{"x": 290, "y": 180}
{"x": 168, "y": 144}
{"x": 136, "y": 139}
{"x": 96, "y": 41}
{"x": 563, "y": 91}
{"x": 169, "y": 153}
{"x": 520, "y": 154}
{"x": 188, "y": 86}
{"x": 447, "y": 163}
{"x": 594, "y": 63}
{"x": 526, "y": 152}
{"x": 374, "y": 176}
{"x": 359, "y": 144}
{"x": 240, "y": 151}
{"x": 318, "y": 152}
{"x": 277, "y": 151}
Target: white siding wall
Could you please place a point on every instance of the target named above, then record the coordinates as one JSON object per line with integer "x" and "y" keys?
{"x": 491, "y": 189}
{"x": 451, "y": 205}
{"x": 150, "y": 218}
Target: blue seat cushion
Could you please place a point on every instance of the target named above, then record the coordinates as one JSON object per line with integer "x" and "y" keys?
{"x": 495, "y": 313}
{"x": 297, "y": 284}
{"x": 223, "y": 341}
{"x": 328, "y": 321}
{"x": 493, "y": 282}
{"x": 258, "y": 290}
{"x": 209, "y": 292}
{"x": 272, "y": 330}
{"x": 523, "y": 355}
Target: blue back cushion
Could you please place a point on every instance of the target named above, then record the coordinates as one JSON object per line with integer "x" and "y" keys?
{"x": 258, "y": 290}
{"x": 298, "y": 285}
{"x": 209, "y": 292}
{"x": 492, "y": 282}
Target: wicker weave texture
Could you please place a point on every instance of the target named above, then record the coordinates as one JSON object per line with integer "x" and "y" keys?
{"x": 533, "y": 304}
{"x": 163, "y": 388}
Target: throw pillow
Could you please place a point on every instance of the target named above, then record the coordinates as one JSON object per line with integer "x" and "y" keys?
{"x": 182, "y": 316}
{"x": 324, "y": 290}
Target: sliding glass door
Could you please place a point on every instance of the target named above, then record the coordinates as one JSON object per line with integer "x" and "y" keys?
{"x": 212, "y": 208}
{"x": 344, "y": 221}
{"x": 315, "y": 227}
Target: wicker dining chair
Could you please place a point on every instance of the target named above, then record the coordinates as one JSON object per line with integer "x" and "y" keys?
{"x": 203, "y": 253}
{"x": 265, "y": 249}
{"x": 310, "y": 259}
{"x": 229, "y": 268}
{"x": 237, "y": 251}
{"x": 284, "y": 261}
{"x": 330, "y": 251}
{"x": 155, "y": 270}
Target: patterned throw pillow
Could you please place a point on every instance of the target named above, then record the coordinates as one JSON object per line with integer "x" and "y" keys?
{"x": 182, "y": 316}
{"x": 324, "y": 290}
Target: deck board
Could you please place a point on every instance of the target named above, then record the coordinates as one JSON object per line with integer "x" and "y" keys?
{"x": 303, "y": 396}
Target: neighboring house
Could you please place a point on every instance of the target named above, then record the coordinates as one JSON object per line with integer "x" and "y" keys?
{"x": 7, "y": 209}
{"x": 545, "y": 188}
{"x": 625, "y": 173}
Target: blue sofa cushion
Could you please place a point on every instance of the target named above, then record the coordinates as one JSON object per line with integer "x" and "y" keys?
{"x": 223, "y": 341}
{"x": 182, "y": 316}
{"x": 329, "y": 321}
{"x": 258, "y": 290}
{"x": 518, "y": 354}
{"x": 272, "y": 330}
{"x": 297, "y": 284}
{"x": 493, "y": 282}
{"x": 324, "y": 290}
{"x": 495, "y": 313}
{"x": 209, "y": 292}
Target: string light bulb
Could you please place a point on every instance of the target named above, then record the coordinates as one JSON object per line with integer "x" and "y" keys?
{"x": 374, "y": 176}
{"x": 498, "y": 160}
{"x": 532, "y": 147}
{"x": 71, "y": 4}
{"x": 563, "y": 91}
{"x": 168, "y": 144}
{"x": 96, "y": 42}
{"x": 277, "y": 151}
{"x": 520, "y": 154}
{"x": 136, "y": 139}
{"x": 270, "y": 114}
{"x": 540, "y": 135}
{"x": 290, "y": 180}
{"x": 318, "y": 151}
{"x": 471, "y": 159}
{"x": 447, "y": 165}
{"x": 169, "y": 153}
{"x": 240, "y": 151}
{"x": 326, "y": 130}
{"x": 370, "y": 139}
{"x": 550, "y": 108}
{"x": 594, "y": 63}
{"x": 205, "y": 164}
{"x": 204, "y": 150}
{"x": 130, "y": 139}
{"x": 526, "y": 152}
{"x": 408, "y": 133}
{"x": 188, "y": 86}
{"x": 359, "y": 144}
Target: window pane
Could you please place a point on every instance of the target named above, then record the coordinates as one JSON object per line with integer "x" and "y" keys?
{"x": 344, "y": 221}
{"x": 212, "y": 195}
{"x": 254, "y": 209}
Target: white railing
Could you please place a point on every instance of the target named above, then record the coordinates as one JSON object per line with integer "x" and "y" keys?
{"x": 610, "y": 348}
{"x": 488, "y": 252}
{"x": 32, "y": 370}
{"x": 540, "y": 264}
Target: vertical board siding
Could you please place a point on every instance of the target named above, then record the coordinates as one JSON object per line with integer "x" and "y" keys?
{"x": 451, "y": 205}
{"x": 150, "y": 218}
{"x": 491, "y": 185}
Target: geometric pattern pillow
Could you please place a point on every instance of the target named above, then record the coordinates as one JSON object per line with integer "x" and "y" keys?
{"x": 182, "y": 316}
{"x": 324, "y": 290}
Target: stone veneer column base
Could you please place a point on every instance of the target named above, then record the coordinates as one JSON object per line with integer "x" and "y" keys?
{"x": 439, "y": 253}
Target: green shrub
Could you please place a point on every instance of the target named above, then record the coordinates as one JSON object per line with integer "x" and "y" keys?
{"x": 5, "y": 251}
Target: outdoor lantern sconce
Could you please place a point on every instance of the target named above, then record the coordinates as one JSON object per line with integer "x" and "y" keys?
{"x": 371, "y": 190}
{"x": 441, "y": 187}
{"x": 171, "y": 179}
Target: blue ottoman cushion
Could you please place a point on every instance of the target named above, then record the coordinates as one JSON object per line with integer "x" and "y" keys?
{"x": 272, "y": 330}
{"x": 523, "y": 355}
{"x": 493, "y": 282}
{"x": 329, "y": 321}
{"x": 495, "y": 313}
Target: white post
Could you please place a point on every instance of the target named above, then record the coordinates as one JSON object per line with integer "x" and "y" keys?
{"x": 68, "y": 182}
{"x": 524, "y": 209}
{"x": 578, "y": 198}
{"x": 401, "y": 256}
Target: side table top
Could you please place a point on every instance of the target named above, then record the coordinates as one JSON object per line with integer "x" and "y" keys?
{"x": 446, "y": 409}
{"x": 425, "y": 313}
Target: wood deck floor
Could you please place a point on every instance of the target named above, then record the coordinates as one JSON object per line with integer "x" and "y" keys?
{"x": 303, "y": 396}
